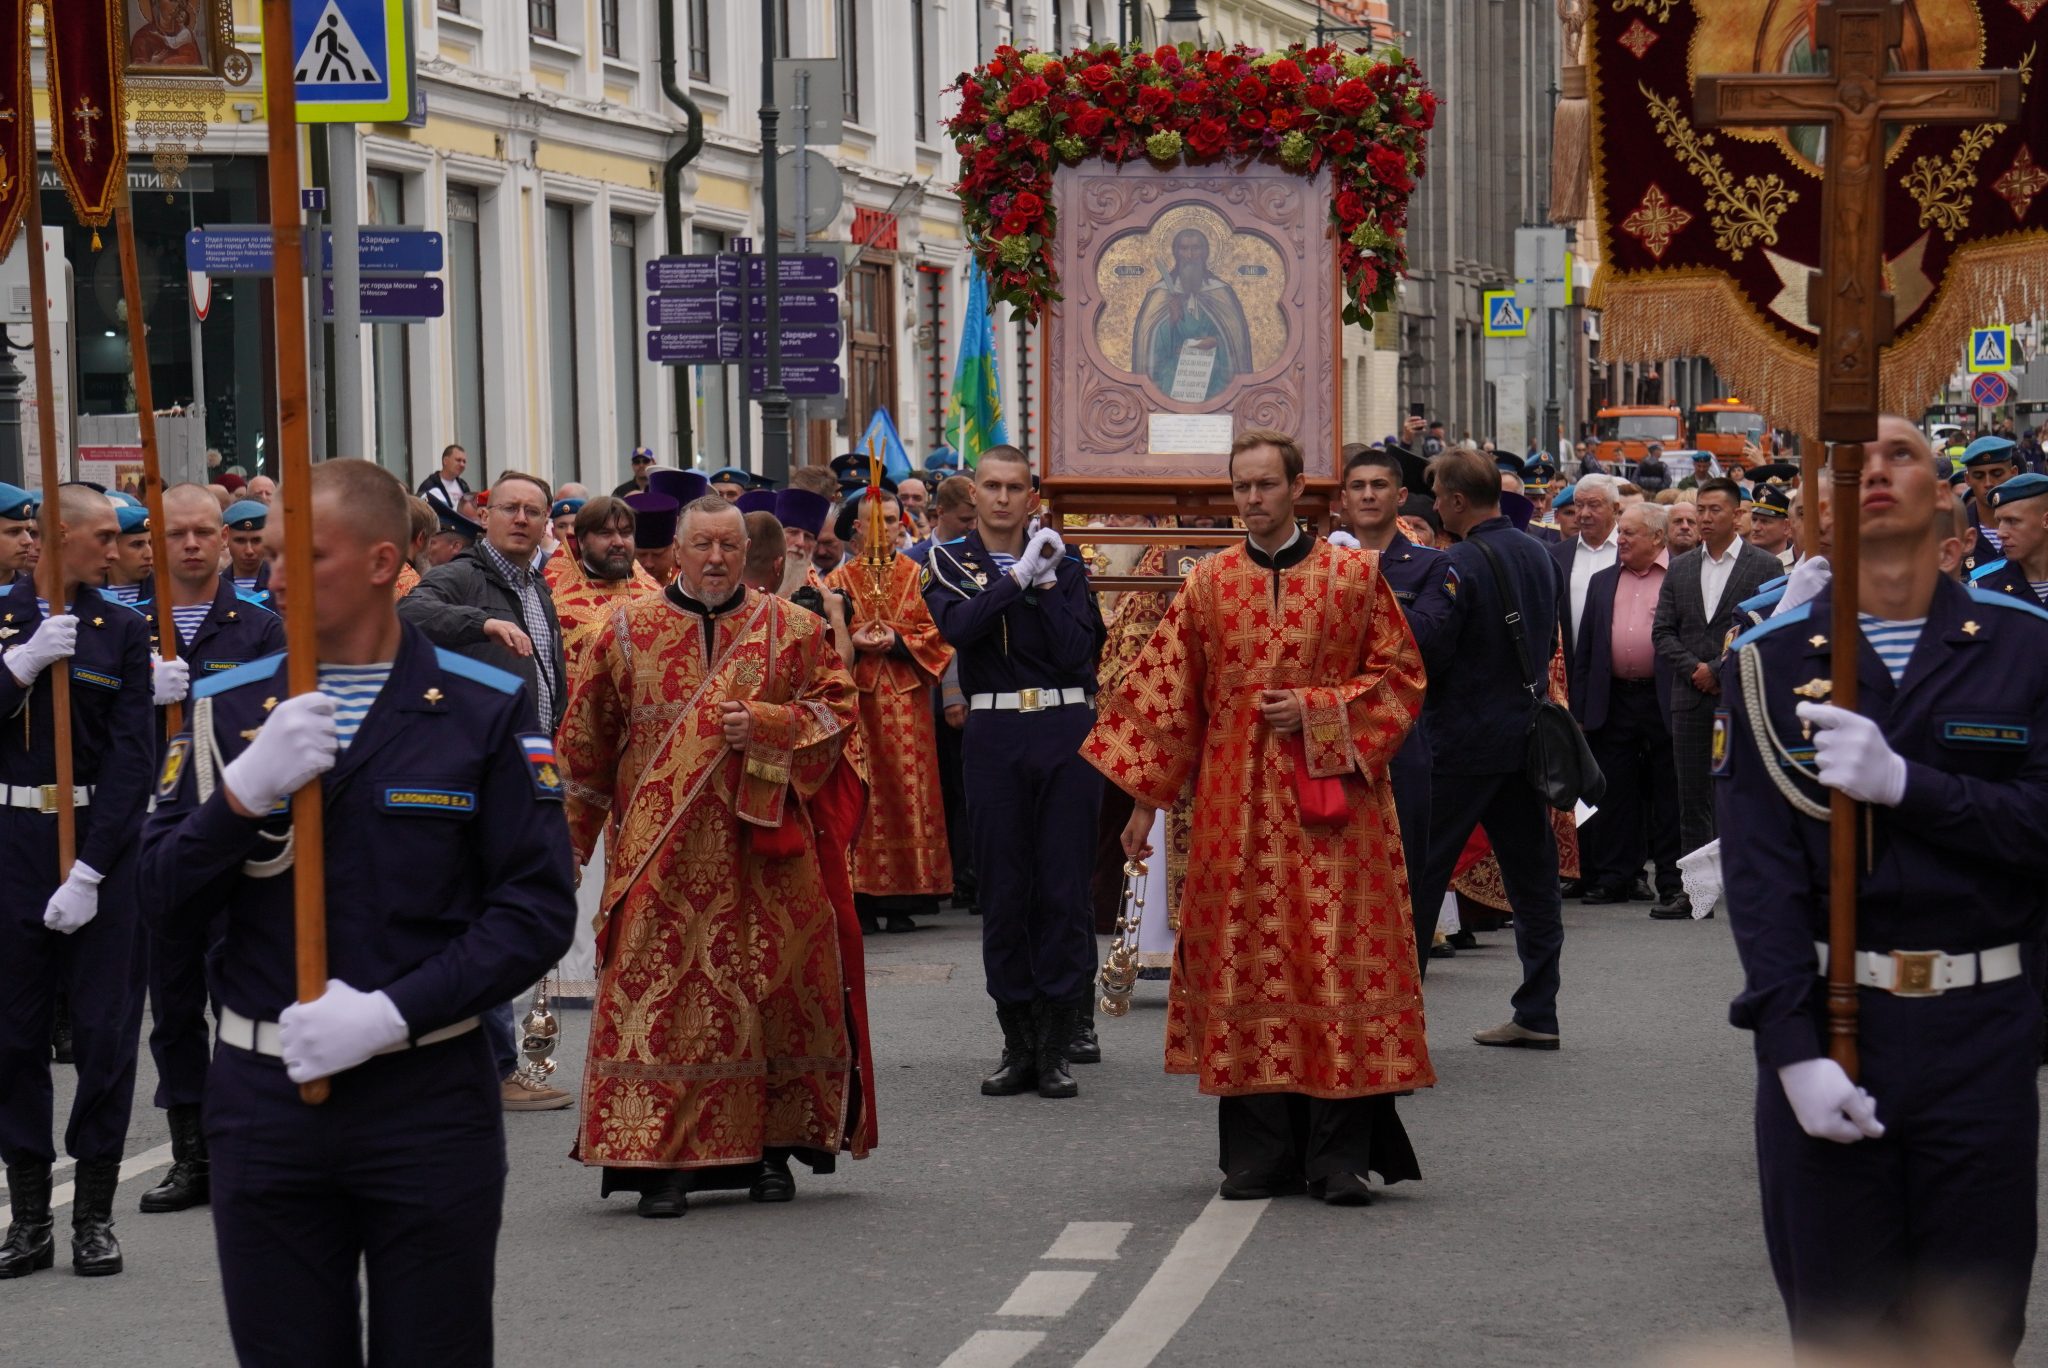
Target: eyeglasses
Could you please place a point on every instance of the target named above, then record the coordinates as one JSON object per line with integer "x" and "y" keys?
{"x": 513, "y": 510}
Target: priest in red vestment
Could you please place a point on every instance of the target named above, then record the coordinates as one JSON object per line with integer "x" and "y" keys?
{"x": 901, "y": 863}
{"x": 728, "y": 1033}
{"x": 590, "y": 583}
{"x": 1279, "y": 685}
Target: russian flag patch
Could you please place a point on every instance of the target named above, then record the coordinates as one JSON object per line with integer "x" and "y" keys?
{"x": 540, "y": 763}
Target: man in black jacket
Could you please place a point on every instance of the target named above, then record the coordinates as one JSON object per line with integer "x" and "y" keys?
{"x": 446, "y": 486}
{"x": 492, "y": 605}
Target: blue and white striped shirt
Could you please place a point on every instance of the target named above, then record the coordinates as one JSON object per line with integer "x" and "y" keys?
{"x": 1893, "y": 640}
{"x": 354, "y": 688}
{"x": 125, "y": 594}
{"x": 190, "y": 618}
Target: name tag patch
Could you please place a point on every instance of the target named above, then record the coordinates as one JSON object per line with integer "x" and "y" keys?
{"x": 541, "y": 765}
{"x": 95, "y": 678}
{"x": 174, "y": 768}
{"x": 438, "y": 801}
{"x": 214, "y": 666}
{"x": 2000, "y": 734}
{"x": 1720, "y": 750}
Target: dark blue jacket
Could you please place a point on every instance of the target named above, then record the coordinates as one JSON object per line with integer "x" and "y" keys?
{"x": 449, "y": 878}
{"x": 1477, "y": 710}
{"x": 1010, "y": 638}
{"x": 1969, "y": 719}
{"x": 1592, "y": 674}
{"x": 2003, "y": 577}
{"x": 1420, "y": 577}
{"x": 110, "y": 732}
{"x": 237, "y": 630}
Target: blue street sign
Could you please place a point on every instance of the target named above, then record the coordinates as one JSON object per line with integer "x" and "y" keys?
{"x": 806, "y": 272}
{"x": 313, "y": 200}
{"x": 228, "y": 251}
{"x": 798, "y": 344}
{"x": 708, "y": 308}
{"x": 684, "y": 349}
{"x": 805, "y": 380}
{"x": 723, "y": 344}
{"x": 393, "y": 300}
{"x": 353, "y": 64}
{"x": 682, "y": 273}
{"x": 391, "y": 251}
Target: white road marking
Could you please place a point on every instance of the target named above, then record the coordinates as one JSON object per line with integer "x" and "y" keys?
{"x": 141, "y": 1163}
{"x": 1046, "y": 1293}
{"x": 993, "y": 1348}
{"x": 1177, "y": 1288}
{"x": 1089, "y": 1240}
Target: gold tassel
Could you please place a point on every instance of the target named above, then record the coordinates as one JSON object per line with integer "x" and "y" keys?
{"x": 95, "y": 239}
{"x": 1571, "y": 148}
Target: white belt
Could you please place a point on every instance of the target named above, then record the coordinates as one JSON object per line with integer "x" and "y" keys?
{"x": 1929, "y": 973}
{"x": 43, "y": 797}
{"x": 1027, "y": 700}
{"x": 261, "y": 1037}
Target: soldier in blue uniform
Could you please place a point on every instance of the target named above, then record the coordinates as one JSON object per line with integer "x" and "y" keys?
{"x": 75, "y": 928}
{"x": 2021, "y": 516}
{"x": 1022, "y": 617}
{"x": 218, "y": 629}
{"x": 1920, "y": 1182}
{"x": 1987, "y": 463}
{"x": 449, "y": 888}
{"x": 248, "y": 570}
{"x": 18, "y": 509}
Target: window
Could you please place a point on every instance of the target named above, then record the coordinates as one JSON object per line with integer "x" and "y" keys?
{"x": 784, "y": 36}
{"x": 451, "y": 6}
{"x": 1059, "y": 26}
{"x": 540, "y": 18}
{"x": 919, "y": 127}
{"x": 608, "y": 26}
{"x": 466, "y": 326}
{"x": 565, "y": 406}
{"x": 391, "y": 348}
{"x": 700, "y": 40}
{"x": 849, "y": 55}
{"x": 625, "y": 336}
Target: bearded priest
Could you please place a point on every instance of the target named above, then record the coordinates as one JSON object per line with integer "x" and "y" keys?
{"x": 1279, "y": 685}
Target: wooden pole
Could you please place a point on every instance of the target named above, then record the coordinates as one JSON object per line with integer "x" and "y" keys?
{"x": 51, "y": 567}
{"x": 152, "y": 471}
{"x": 295, "y": 468}
{"x": 1845, "y": 636}
{"x": 1813, "y": 459}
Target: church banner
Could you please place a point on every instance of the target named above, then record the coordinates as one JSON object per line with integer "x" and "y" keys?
{"x": 88, "y": 50}
{"x": 1709, "y": 237}
{"x": 17, "y": 122}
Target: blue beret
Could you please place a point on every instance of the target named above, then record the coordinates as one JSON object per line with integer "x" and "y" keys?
{"x": 566, "y": 506}
{"x": 248, "y": 515}
{"x": 942, "y": 459}
{"x": 684, "y": 486}
{"x": 16, "y": 504}
{"x": 758, "y": 501}
{"x": 802, "y": 510}
{"x": 1986, "y": 450}
{"x": 451, "y": 521}
{"x": 125, "y": 499}
{"x": 731, "y": 475}
{"x": 2017, "y": 488}
{"x": 1564, "y": 497}
{"x": 133, "y": 520}
{"x": 654, "y": 519}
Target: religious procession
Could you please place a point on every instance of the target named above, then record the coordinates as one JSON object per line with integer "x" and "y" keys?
{"x": 618, "y": 612}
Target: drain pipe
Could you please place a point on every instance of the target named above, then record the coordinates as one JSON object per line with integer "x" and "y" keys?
{"x": 672, "y": 206}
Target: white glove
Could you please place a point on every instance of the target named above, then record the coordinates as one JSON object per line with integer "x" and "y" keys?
{"x": 169, "y": 680}
{"x": 76, "y": 901}
{"x": 1040, "y": 554}
{"x": 1827, "y": 1105}
{"x": 1809, "y": 577}
{"x": 1342, "y": 538}
{"x": 336, "y": 1031}
{"x": 1853, "y": 756}
{"x": 1056, "y": 551}
{"x": 54, "y": 640}
{"x": 296, "y": 745}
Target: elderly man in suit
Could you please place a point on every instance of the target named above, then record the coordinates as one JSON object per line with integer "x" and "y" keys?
{"x": 1598, "y": 499}
{"x": 1696, "y": 612}
{"x": 1622, "y": 696}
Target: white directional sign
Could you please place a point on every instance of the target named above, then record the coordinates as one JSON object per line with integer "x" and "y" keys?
{"x": 352, "y": 65}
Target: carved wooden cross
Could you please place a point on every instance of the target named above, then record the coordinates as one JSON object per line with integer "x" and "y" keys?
{"x": 1855, "y": 101}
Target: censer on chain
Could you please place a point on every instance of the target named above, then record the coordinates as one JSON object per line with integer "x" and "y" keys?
{"x": 537, "y": 1033}
{"x": 1120, "y": 965}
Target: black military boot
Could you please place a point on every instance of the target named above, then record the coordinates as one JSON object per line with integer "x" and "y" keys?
{"x": 1055, "y": 1022}
{"x": 1018, "y": 1073}
{"x": 28, "y": 1245}
{"x": 189, "y": 1183}
{"x": 1084, "y": 1048}
{"x": 95, "y": 1252}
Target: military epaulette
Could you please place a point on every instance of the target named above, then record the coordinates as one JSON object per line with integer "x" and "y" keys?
{"x": 1763, "y": 629}
{"x": 254, "y": 671}
{"x": 1764, "y": 599}
{"x": 1997, "y": 600}
{"x": 1981, "y": 571}
{"x": 490, "y": 676}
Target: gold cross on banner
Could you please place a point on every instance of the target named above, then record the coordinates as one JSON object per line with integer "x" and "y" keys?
{"x": 87, "y": 113}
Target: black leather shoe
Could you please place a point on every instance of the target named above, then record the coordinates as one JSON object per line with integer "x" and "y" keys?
{"x": 1018, "y": 1073}
{"x": 776, "y": 1183}
{"x": 1642, "y": 891}
{"x": 1343, "y": 1189}
{"x": 1678, "y": 908}
{"x": 29, "y": 1244}
{"x": 666, "y": 1201}
{"x": 1597, "y": 897}
{"x": 190, "y": 1181}
{"x": 1252, "y": 1187}
{"x": 870, "y": 926}
{"x": 898, "y": 923}
{"x": 1055, "y": 1031}
{"x": 1571, "y": 888}
{"x": 1443, "y": 949}
{"x": 1462, "y": 940}
{"x": 95, "y": 1253}
{"x": 1085, "y": 1047}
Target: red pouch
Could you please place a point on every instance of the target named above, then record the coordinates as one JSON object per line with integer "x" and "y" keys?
{"x": 783, "y": 840}
{"x": 1325, "y": 801}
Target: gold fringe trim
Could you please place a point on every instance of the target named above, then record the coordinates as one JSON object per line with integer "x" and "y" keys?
{"x": 1656, "y": 315}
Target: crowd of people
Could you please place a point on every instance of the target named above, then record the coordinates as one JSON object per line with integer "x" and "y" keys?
{"x": 759, "y": 724}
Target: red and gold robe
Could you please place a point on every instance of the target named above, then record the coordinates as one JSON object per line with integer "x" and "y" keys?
{"x": 902, "y": 847}
{"x": 1295, "y": 970}
{"x": 408, "y": 579}
{"x": 584, "y": 603}
{"x": 727, "y": 1019}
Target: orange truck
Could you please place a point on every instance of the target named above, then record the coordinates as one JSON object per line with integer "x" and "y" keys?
{"x": 1725, "y": 426}
{"x": 1623, "y": 434}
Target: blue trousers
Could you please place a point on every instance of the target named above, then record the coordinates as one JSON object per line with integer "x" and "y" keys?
{"x": 1031, "y": 808}
{"x": 399, "y": 1177}
{"x": 178, "y": 1037}
{"x": 1409, "y": 774}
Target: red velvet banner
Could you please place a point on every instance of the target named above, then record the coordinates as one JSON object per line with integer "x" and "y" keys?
{"x": 17, "y": 122}
{"x": 1709, "y": 236}
{"x": 88, "y": 47}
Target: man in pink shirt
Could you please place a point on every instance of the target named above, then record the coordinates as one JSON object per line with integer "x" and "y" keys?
{"x": 1622, "y": 696}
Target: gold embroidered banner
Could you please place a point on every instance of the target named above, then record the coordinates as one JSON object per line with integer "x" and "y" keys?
{"x": 1709, "y": 237}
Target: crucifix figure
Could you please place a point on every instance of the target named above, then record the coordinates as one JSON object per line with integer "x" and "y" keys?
{"x": 1849, "y": 303}
{"x": 87, "y": 113}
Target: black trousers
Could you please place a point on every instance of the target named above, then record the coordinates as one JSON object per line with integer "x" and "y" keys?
{"x": 1409, "y": 774}
{"x": 1517, "y": 822}
{"x": 953, "y": 794}
{"x": 179, "y": 1039}
{"x": 398, "y": 1176}
{"x": 1692, "y": 756}
{"x": 1639, "y": 816}
{"x": 1291, "y": 1135}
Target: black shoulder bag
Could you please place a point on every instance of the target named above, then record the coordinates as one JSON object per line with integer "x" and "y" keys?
{"x": 1559, "y": 764}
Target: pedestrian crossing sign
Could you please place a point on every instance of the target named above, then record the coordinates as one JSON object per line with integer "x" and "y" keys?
{"x": 1990, "y": 349}
{"x": 1505, "y": 317}
{"x": 352, "y": 65}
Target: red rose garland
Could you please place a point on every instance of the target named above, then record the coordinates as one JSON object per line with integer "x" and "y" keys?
{"x": 1363, "y": 114}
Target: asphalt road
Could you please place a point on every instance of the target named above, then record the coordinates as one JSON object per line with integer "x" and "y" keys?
{"x": 1594, "y": 1206}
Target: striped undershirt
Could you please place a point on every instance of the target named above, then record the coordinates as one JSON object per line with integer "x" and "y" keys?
{"x": 246, "y": 585}
{"x": 1893, "y": 640}
{"x": 2040, "y": 589}
{"x": 354, "y": 688}
{"x": 190, "y": 617}
{"x": 125, "y": 594}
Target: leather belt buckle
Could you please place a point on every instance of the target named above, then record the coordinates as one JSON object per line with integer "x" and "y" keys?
{"x": 1031, "y": 700}
{"x": 1913, "y": 973}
